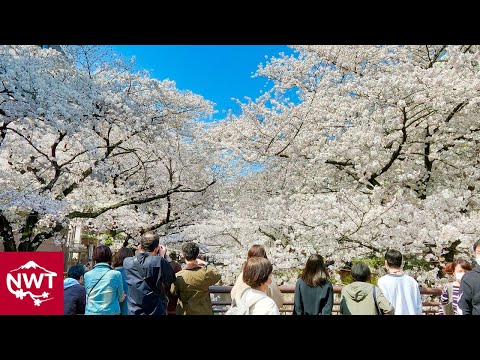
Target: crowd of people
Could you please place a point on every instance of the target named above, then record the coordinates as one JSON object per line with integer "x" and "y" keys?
{"x": 151, "y": 283}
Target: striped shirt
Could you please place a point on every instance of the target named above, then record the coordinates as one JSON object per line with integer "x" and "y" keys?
{"x": 455, "y": 297}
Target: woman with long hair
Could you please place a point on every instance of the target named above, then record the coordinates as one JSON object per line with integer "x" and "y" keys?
{"x": 313, "y": 291}
{"x": 272, "y": 290}
{"x": 118, "y": 258}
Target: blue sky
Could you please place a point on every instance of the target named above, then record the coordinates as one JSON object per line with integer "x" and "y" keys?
{"x": 217, "y": 72}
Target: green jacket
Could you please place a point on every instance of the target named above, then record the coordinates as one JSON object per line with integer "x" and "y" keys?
{"x": 357, "y": 299}
{"x": 191, "y": 287}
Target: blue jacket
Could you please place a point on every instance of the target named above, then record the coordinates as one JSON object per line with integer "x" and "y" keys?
{"x": 123, "y": 305}
{"x": 103, "y": 297}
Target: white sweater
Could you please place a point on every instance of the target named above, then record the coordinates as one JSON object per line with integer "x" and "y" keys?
{"x": 264, "y": 304}
{"x": 273, "y": 290}
{"x": 403, "y": 293}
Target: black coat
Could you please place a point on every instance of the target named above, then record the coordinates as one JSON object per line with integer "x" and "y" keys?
{"x": 469, "y": 301}
{"x": 74, "y": 298}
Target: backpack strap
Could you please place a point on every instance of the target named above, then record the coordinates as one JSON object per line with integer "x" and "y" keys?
{"x": 450, "y": 292}
{"x": 251, "y": 302}
{"x": 375, "y": 301}
{"x": 141, "y": 271}
{"x": 98, "y": 281}
{"x": 139, "y": 267}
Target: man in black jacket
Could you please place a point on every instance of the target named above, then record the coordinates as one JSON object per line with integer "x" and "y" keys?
{"x": 148, "y": 274}
{"x": 469, "y": 301}
{"x": 74, "y": 294}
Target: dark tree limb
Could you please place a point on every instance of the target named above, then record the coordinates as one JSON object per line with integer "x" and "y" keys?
{"x": 6, "y": 232}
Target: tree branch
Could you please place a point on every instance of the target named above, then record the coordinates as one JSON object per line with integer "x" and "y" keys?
{"x": 94, "y": 214}
{"x": 436, "y": 56}
{"x": 394, "y": 155}
{"x": 39, "y": 239}
{"x": 31, "y": 144}
{"x": 347, "y": 239}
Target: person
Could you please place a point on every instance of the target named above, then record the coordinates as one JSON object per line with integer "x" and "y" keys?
{"x": 451, "y": 291}
{"x": 172, "y": 299}
{"x": 313, "y": 291}
{"x": 74, "y": 293}
{"x": 257, "y": 274}
{"x": 88, "y": 266}
{"x": 192, "y": 282}
{"x": 148, "y": 273}
{"x": 400, "y": 289}
{"x": 469, "y": 300}
{"x": 476, "y": 252}
{"x": 362, "y": 298}
{"x": 103, "y": 285}
{"x": 118, "y": 258}
{"x": 273, "y": 290}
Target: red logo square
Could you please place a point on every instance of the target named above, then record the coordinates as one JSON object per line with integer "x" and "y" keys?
{"x": 31, "y": 283}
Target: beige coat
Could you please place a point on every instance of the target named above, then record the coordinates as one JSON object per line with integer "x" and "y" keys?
{"x": 273, "y": 290}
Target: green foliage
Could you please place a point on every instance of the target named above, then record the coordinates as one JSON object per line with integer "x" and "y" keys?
{"x": 107, "y": 238}
{"x": 27, "y": 233}
{"x": 345, "y": 277}
{"x": 412, "y": 262}
{"x": 374, "y": 263}
{"x": 89, "y": 236}
{"x": 289, "y": 274}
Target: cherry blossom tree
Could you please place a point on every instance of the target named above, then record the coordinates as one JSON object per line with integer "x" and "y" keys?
{"x": 354, "y": 150}
{"x": 379, "y": 151}
{"x": 85, "y": 137}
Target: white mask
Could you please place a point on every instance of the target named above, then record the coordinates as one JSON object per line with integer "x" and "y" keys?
{"x": 459, "y": 275}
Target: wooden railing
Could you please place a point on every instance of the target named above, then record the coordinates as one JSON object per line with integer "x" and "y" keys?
{"x": 431, "y": 298}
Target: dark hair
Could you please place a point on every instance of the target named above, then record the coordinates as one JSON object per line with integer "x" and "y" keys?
{"x": 360, "y": 272}
{"x": 190, "y": 250}
{"x": 76, "y": 271}
{"x": 450, "y": 267}
{"x": 256, "y": 271}
{"x": 256, "y": 251}
{"x": 102, "y": 253}
{"x": 476, "y": 244}
{"x": 393, "y": 258}
{"x": 120, "y": 255}
{"x": 315, "y": 272}
{"x": 150, "y": 241}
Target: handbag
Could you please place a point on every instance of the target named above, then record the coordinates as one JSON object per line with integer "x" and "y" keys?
{"x": 448, "y": 307}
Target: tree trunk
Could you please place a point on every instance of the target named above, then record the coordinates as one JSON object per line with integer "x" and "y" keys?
{"x": 6, "y": 233}
{"x": 28, "y": 242}
{"x": 26, "y": 245}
